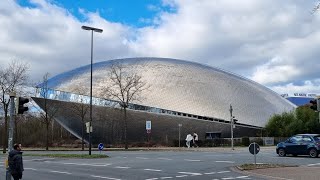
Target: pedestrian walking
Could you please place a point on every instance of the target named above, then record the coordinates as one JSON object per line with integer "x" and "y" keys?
{"x": 189, "y": 138}
{"x": 15, "y": 162}
{"x": 195, "y": 139}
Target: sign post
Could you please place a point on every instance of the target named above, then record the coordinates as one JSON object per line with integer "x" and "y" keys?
{"x": 179, "y": 133}
{"x": 231, "y": 123}
{"x": 254, "y": 149}
{"x": 100, "y": 147}
{"x": 148, "y": 128}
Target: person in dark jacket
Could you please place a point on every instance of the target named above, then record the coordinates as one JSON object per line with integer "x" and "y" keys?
{"x": 15, "y": 162}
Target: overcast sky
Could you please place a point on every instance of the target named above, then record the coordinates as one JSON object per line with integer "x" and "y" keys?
{"x": 273, "y": 42}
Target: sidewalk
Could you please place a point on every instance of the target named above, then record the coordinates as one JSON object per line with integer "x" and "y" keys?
{"x": 286, "y": 173}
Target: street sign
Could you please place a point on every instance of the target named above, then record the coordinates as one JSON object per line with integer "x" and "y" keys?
{"x": 148, "y": 125}
{"x": 100, "y": 146}
{"x": 254, "y": 148}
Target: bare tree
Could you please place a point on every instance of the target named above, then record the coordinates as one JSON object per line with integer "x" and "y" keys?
{"x": 80, "y": 109}
{"x": 13, "y": 76}
{"x": 49, "y": 112}
{"x": 316, "y": 8}
{"x": 124, "y": 86}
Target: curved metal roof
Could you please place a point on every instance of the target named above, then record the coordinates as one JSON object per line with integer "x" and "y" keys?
{"x": 187, "y": 87}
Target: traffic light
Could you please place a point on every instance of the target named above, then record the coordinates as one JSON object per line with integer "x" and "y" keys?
{"x": 234, "y": 121}
{"x": 314, "y": 105}
{"x": 20, "y": 108}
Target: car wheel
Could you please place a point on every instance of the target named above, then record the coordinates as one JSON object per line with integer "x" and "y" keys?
{"x": 281, "y": 152}
{"x": 313, "y": 153}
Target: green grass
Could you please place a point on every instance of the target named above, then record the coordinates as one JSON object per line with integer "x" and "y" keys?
{"x": 261, "y": 166}
{"x": 81, "y": 156}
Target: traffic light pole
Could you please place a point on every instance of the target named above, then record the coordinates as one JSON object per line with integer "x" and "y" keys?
{"x": 11, "y": 127}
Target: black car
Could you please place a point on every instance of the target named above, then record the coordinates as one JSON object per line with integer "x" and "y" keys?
{"x": 300, "y": 144}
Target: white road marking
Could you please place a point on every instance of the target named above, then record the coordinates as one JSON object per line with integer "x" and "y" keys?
{"x": 61, "y": 172}
{"x": 210, "y": 173}
{"x": 42, "y": 159}
{"x": 85, "y": 164}
{"x": 224, "y": 161}
{"x": 102, "y": 177}
{"x": 218, "y": 155}
{"x": 220, "y": 172}
{"x": 191, "y": 173}
{"x": 1, "y": 165}
{"x": 313, "y": 164}
{"x": 192, "y": 160}
{"x": 164, "y": 158}
{"x": 181, "y": 176}
{"x": 152, "y": 170}
{"x": 243, "y": 177}
{"x": 228, "y": 178}
{"x": 141, "y": 158}
{"x": 166, "y": 178}
{"x": 30, "y": 169}
{"x": 122, "y": 167}
{"x": 152, "y": 179}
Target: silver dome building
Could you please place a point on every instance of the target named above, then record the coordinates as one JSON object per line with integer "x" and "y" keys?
{"x": 182, "y": 91}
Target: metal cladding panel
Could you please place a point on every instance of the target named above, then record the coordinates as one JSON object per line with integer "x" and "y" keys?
{"x": 186, "y": 87}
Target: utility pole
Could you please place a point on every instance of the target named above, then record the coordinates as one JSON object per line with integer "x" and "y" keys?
{"x": 231, "y": 123}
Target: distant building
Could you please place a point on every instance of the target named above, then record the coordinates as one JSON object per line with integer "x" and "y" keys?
{"x": 299, "y": 99}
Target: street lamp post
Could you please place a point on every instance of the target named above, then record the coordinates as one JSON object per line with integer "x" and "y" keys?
{"x": 90, "y": 124}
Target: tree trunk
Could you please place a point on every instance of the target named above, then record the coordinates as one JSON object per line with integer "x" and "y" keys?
{"x": 52, "y": 132}
{"x": 47, "y": 139}
{"x": 82, "y": 140}
{"x": 111, "y": 130}
{"x": 125, "y": 129}
{"x": 5, "y": 137}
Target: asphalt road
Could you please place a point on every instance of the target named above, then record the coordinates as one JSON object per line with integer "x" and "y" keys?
{"x": 154, "y": 165}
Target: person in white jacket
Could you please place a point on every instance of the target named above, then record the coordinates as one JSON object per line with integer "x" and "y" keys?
{"x": 189, "y": 138}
